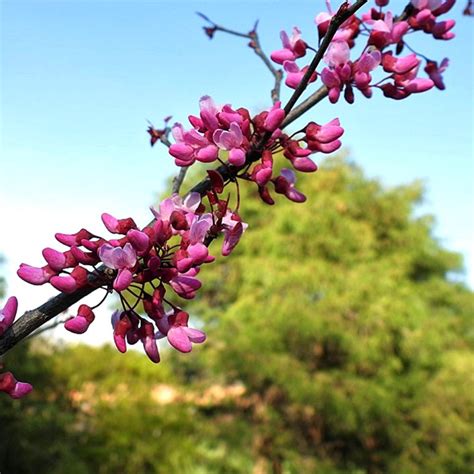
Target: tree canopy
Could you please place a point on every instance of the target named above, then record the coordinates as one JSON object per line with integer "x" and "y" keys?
{"x": 338, "y": 342}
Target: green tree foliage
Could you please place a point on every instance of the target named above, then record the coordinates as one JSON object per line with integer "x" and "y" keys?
{"x": 339, "y": 342}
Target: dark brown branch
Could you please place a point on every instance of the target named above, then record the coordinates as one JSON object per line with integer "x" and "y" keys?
{"x": 255, "y": 45}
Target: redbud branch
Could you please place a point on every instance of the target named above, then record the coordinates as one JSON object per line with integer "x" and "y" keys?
{"x": 32, "y": 320}
{"x": 256, "y": 46}
{"x": 178, "y": 180}
{"x": 337, "y": 20}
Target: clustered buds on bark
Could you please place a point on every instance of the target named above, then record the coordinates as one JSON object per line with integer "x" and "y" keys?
{"x": 150, "y": 267}
{"x": 383, "y": 30}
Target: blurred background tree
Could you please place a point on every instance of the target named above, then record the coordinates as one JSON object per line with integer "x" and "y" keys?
{"x": 340, "y": 341}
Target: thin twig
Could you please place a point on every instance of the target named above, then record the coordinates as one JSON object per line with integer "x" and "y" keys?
{"x": 307, "y": 104}
{"x": 178, "y": 180}
{"x": 256, "y": 46}
{"x": 43, "y": 329}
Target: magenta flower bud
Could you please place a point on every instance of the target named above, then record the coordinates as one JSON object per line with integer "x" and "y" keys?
{"x": 182, "y": 152}
{"x": 12, "y": 387}
{"x": 232, "y": 238}
{"x": 64, "y": 283}
{"x": 324, "y": 133}
{"x": 180, "y": 336}
{"x": 118, "y": 226}
{"x": 419, "y": 85}
{"x": 285, "y": 184}
{"x": 282, "y": 55}
{"x": 196, "y": 122}
{"x": 122, "y": 325}
{"x": 207, "y": 154}
{"x": 304, "y": 164}
{"x": 81, "y": 322}
{"x": 8, "y": 313}
{"x": 237, "y": 157}
{"x": 123, "y": 279}
{"x": 198, "y": 253}
{"x": 73, "y": 239}
{"x": 325, "y": 147}
{"x": 274, "y": 118}
{"x": 56, "y": 260}
{"x": 149, "y": 343}
{"x": 21, "y": 389}
{"x": 77, "y": 325}
{"x": 262, "y": 175}
{"x": 139, "y": 240}
{"x": 185, "y": 286}
{"x": 34, "y": 275}
{"x": 83, "y": 257}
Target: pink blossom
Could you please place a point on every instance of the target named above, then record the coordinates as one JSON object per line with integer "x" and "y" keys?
{"x": 293, "y": 47}
{"x": 285, "y": 184}
{"x": 8, "y": 314}
{"x": 274, "y": 118}
{"x": 185, "y": 286}
{"x": 34, "y": 275}
{"x": 231, "y": 140}
{"x": 180, "y": 336}
{"x": 118, "y": 226}
{"x": 81, "y": 322}
{"x": 435, "y": 72}
{"x": 10, "y": 385}
{"x": 385, "y": 32}
{"x": 149, "y": 342}
{"x": 338, "y": 53}
{"x": 121, "y": 259}
{"x": 295, "y": 74}
{"x": 391, "y": 63}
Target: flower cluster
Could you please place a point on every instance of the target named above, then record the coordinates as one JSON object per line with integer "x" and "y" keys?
{"x": 221, "y": 131}
{"x": 150, "y": 268}
{"x": 146, "y": 264}
{"x": 383, "y": 30}
{"x": 8, "y": 383}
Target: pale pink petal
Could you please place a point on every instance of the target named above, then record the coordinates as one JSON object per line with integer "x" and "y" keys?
{"x": 178, "y": 338}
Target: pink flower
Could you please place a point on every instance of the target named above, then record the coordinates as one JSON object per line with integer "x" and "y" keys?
{"x": 285, "y": 184}
{"x": 34, "y": 275}
{"x": 435, "y": 72}
{"x": 185, "y": 286}
{"x": 391, "y": 63}
{"x": 231, "y": 140}
{"x": 118, "y": 226}
{"x": 274, "y": 118}
{"x": 121, "y": 259}
{"x": 293, "y": 47}
{"x": 10, "y": 385}
{"x": 149, "y": 342}
{"x": 8, "y": 314}
{"x": 337, "y": 54}
{"x": 180, "y": 336}
{"x": 385, "y": 32}
{"x": 81, "y": 322}
{"x": 295, "y": 74}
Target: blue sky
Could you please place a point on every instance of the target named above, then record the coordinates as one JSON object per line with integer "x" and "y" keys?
{"x": 79, "y": 80}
